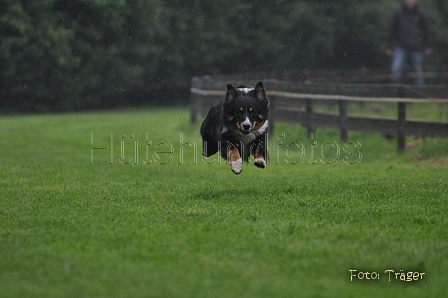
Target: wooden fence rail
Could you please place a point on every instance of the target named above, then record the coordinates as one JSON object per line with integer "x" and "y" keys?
{"x": 295, "y": 102}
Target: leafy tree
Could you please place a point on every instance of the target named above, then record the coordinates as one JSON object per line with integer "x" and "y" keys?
{"x": 72, "y": 54}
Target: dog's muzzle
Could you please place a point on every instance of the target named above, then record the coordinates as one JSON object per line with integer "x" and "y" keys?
{"x": 246, "y": 126}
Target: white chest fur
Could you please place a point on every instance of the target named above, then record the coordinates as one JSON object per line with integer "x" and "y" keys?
{"x": 249, "y": 138}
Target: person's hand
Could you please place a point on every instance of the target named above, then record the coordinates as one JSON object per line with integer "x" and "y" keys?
{"x": 389, "y": 52}
{"x": 428, "y": 51}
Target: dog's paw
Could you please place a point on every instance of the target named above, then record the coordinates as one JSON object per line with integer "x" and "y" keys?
{"x": 237, "y": 166}
{"x": 260, "y": 162}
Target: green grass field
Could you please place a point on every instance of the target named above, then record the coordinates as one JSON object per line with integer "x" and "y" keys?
{"x": 122, "y": 204}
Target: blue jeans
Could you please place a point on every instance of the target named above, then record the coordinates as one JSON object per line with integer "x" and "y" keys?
{"x": 401, "y": 58}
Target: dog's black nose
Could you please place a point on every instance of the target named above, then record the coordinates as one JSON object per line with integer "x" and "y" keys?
{"x": 246, "y": 126}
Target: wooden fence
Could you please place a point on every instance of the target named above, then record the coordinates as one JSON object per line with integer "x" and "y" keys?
{"x": 296, "y": 102}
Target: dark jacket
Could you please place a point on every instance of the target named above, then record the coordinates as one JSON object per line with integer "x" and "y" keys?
{"x": 410, "y": 29}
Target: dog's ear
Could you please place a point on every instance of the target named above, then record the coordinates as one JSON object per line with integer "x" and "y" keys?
{"x": 260, "y": 93}
{"x": 231, "y": 94}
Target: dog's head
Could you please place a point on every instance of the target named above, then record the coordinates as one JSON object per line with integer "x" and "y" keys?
{"x": 245, "y": 109}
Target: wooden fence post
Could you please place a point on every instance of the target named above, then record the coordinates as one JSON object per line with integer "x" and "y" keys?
{"x": 193, "y": 107}
{"x": 272, "y": 103}
{"x": 309, "y": 116}
{"x": 401, "y": 126}
{"x": 343, "y": 125}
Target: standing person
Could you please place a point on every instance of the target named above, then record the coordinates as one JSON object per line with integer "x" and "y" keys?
{"x": 410, "y": 35}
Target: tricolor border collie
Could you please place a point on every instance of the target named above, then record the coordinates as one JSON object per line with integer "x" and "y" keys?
{"x": 237, "y": 127}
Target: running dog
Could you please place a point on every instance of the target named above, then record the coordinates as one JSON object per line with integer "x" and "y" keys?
{"x": 237, "y": 127}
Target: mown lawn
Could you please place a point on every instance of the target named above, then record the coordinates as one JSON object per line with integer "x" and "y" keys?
{"x": 147, "y": 216}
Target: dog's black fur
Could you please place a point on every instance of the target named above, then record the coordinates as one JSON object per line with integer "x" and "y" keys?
{"x": 237, "y": 127}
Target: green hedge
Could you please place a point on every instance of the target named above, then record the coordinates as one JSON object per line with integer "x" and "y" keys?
{"x": 80, "y": 54}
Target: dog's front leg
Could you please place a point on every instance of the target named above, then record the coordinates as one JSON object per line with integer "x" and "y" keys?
{"x": 260, "y": 156}
{"x": 235, "y": 160}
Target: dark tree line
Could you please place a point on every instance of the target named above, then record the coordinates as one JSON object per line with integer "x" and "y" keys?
{"x": 80, "y": 54}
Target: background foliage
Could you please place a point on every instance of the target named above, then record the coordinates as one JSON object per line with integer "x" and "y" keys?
{"x": 73, "y": 54}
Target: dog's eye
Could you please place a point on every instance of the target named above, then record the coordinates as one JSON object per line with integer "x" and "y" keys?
{"x": 250, "y": 110}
